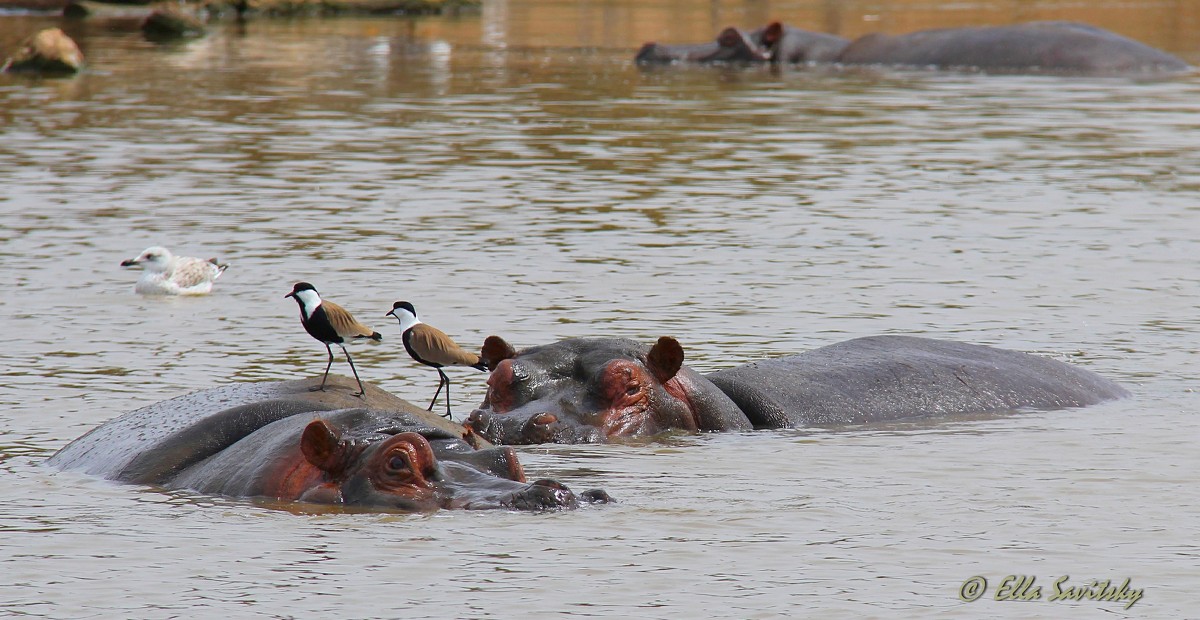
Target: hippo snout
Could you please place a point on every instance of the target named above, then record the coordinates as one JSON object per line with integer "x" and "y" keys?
{"x": 544, "y": 495}
{"x": 596, "y": 496}
{"x": 551, "y": 494}
{"x": 531, "y": 427}
{"x": 648, "y": 53}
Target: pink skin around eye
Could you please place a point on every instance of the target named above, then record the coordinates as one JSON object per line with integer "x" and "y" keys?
{"x": 500, "y": 395}
{"x": 402, "y": 465}
{"x": 627, "y": 389}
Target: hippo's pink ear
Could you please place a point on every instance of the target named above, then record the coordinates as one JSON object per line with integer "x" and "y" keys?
{"x": 772, "y": 34}
{"x": 665, "y": 358}
{"x": 496, "y": 350}
{"x": 323, "y": 447}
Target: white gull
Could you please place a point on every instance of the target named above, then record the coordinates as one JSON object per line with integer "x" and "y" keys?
{"x": 166, "y": 274}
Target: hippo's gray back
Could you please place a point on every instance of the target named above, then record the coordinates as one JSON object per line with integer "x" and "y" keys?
{"x": 152, "y": 443}
{"x": 894, "y": 377}
{"x": 1053, "y": 47}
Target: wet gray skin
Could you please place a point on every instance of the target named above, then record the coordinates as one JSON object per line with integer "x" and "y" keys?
{"x": 731, "y": 46}
{"x": 595, "y": 390}
{"x": 361, "y": 457}
{"x": 591, "y": 390}
{"x": 1042, "y": 47}
{"x": 279, "y": 440}
{"x": 785, "y": 44}
{"x": 1065, "y": 48}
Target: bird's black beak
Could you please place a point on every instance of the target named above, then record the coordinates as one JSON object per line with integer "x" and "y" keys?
{"x": 129, "y": 262}
{"x": 391, "y": 313}
{"x": 289, "y": 295}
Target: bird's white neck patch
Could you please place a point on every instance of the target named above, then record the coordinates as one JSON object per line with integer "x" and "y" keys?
{"x": 406, "y": 319}
{"x": 309, "y": 302}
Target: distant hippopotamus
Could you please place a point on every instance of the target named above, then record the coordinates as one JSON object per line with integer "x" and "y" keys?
{"x": 1036, "y": 47}
{"x": 171, "y": 23}
{"x": 592, "y": 390}
{"x": 280, "y": 440}
{"x": 772, "y": 43}
{"x": 47, "y": 52}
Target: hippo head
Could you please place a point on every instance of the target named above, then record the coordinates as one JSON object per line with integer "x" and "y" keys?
{"x": 771, "y": 39}
{"x": 659, "y": 53}
{"x": 591, "y": 390}
{"x": 731, "y": 45}
{"x": 785, "y": 44}
{"x": 735, "y": 45}
{"x": 406, "y": 472}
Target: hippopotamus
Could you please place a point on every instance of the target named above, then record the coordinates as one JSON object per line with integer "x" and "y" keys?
{"x": 47, "y": 52}
{"x": 597, "y": 390}
{"x": 774, "y": 43}
{"x": 171, "y": 23}
{"x": 279, "y": 440}
{"x": 1035, "y": 47}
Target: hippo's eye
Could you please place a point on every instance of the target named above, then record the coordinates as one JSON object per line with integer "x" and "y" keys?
{"x": 397, "y": 462}
{"x": 632, "y": 389}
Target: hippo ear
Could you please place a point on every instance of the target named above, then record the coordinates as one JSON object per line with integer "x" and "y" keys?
{"x": 771, "y": 34}
{"x": 665, "y": 358}
{"x": 496, "y": 350}
{"x": 323, "y": 447}
{"x": 729, "y": 37}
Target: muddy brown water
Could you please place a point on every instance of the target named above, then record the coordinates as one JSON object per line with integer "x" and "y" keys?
{"x": 513, "y": 173}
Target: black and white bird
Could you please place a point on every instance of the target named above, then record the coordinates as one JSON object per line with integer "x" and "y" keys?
{"x": 430, "y": 346}
{"x": 166, "y": 274}
{"x": 331, "y": 324}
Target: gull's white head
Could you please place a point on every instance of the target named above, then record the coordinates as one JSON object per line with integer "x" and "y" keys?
{"x": 155, "y": 258}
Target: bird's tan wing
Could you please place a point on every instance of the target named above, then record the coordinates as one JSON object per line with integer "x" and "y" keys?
{"x": 435, "y": 346}
{"x": 190, "y": 272}
{"x": 344, "y": 323}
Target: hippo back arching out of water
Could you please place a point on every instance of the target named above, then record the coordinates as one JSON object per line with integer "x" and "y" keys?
{"x": 592, "y": 390}
{"x": 1037, "y": 47}
{"x": 280, "y": 440}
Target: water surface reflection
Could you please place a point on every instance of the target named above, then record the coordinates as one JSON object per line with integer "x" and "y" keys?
{"x": 513, "y": 173}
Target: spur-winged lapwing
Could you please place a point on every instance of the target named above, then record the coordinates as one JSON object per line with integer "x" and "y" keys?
{"x": 166, "y": 274}
{"x": 331, "y": 324}
{"x": 430, "y": 346}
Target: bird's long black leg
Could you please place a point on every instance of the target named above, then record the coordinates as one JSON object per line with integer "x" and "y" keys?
{"x": 321, "y": 388}
{"x": 447, "y": 380}
{"x": 361, "y": 390}
{"x": 439, "y": 390}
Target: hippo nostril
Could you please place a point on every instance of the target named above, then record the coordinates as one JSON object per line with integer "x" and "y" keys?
{"x": 478, "y": 421}
{"x": 544, "y": 419}
{"x": 544, "y": 494}
{"x": 596, "y": 496}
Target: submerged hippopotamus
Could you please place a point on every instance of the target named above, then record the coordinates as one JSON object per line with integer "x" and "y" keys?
{"x": 772, "y": 43}
{"x": 280, "y": 440}
{"x": 1036, "y": 47}
{"x": 47, "y": 52}
{"x": 592, "y": 390}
